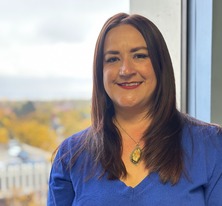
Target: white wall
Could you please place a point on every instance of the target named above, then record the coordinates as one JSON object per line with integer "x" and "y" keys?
{"x": 166, "y": 14}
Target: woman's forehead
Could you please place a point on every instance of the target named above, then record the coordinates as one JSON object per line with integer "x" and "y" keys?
{"x": 124, "y": 36}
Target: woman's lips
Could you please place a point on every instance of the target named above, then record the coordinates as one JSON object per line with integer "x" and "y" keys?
{"x": 129, "y": 85}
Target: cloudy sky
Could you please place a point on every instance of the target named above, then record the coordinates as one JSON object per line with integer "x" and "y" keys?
{"x": 51, "y": 38}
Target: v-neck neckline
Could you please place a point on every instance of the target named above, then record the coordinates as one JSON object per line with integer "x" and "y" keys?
{"x": 141, "y": 185}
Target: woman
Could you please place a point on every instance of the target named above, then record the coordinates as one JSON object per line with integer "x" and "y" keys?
{"x": 140, "y": 150}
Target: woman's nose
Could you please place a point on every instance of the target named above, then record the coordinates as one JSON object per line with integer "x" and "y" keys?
{"x": 127, "y": 69}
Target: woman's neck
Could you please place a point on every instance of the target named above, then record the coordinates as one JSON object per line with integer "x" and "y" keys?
{"x": 131, "y": 116}
{"x": 134, "y": 123}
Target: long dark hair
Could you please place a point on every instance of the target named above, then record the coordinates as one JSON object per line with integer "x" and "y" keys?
{"x": 162, "y": 152}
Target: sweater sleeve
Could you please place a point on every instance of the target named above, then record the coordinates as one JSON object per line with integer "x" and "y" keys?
{"x": 213, "y": 190}
{"x": 61, "y": 190}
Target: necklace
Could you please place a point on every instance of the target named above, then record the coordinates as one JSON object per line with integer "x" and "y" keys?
{"x": 136, "y": 154}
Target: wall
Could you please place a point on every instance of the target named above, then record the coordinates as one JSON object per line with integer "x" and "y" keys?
{"x": 216, "y": 84}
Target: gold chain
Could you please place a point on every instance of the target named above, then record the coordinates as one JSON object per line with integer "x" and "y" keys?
{"x": 135, "y": 155}
{"x": 137, "y": 143}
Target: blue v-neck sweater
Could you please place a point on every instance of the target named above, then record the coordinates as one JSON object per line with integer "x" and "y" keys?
{"x": 202, "y": 186}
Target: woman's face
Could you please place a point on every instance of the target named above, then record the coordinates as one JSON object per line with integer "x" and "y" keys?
{"x": 128, "y": 75}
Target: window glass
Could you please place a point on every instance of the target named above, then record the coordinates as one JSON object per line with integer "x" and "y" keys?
{"x": 46, "y": 53}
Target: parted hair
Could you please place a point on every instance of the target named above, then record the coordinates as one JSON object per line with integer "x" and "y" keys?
{"x": 162, "y": 152}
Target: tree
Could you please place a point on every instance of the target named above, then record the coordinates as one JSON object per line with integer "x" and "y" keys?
{"x": 4, "y": 136}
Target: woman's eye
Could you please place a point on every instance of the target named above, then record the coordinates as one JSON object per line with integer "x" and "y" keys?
{"x": 111, "y": 59}
{"x": 141, "y": 56}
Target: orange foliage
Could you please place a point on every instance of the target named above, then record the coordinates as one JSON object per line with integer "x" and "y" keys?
{"x": 4, "y": 137}
{"x": 42, "y": 124}
{"x": 36, "y": 134}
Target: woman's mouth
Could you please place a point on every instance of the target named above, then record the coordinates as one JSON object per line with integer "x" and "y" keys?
{"x": 129, "y": 85}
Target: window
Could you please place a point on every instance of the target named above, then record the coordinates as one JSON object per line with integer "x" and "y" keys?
{"x": 46, "y": 50}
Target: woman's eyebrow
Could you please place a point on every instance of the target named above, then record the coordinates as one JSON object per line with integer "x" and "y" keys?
{"x": 138, "y": 48}
{"x": 111, "y": 52}
{"x": 131, "y": 50}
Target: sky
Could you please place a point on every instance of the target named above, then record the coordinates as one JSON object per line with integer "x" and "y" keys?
{"x": 51, "y": 40}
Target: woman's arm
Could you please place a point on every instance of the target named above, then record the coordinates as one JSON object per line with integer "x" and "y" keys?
{"x": 61, "y": 191}
{"x": 213, "y": 190}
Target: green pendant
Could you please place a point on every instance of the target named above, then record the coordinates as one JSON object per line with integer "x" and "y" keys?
{"x": 136, "y": 155}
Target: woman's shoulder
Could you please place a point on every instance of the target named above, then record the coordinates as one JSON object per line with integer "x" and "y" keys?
{"x": 202, "y": 133}
{"x": 73, "y": 144}
{"x": 75, "y": 139}
{"x": 197, "y": 126}
{"x": 202, "y": 147}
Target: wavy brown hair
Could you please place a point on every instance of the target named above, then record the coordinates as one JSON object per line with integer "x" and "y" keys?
{"x": 162, "y": 152}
